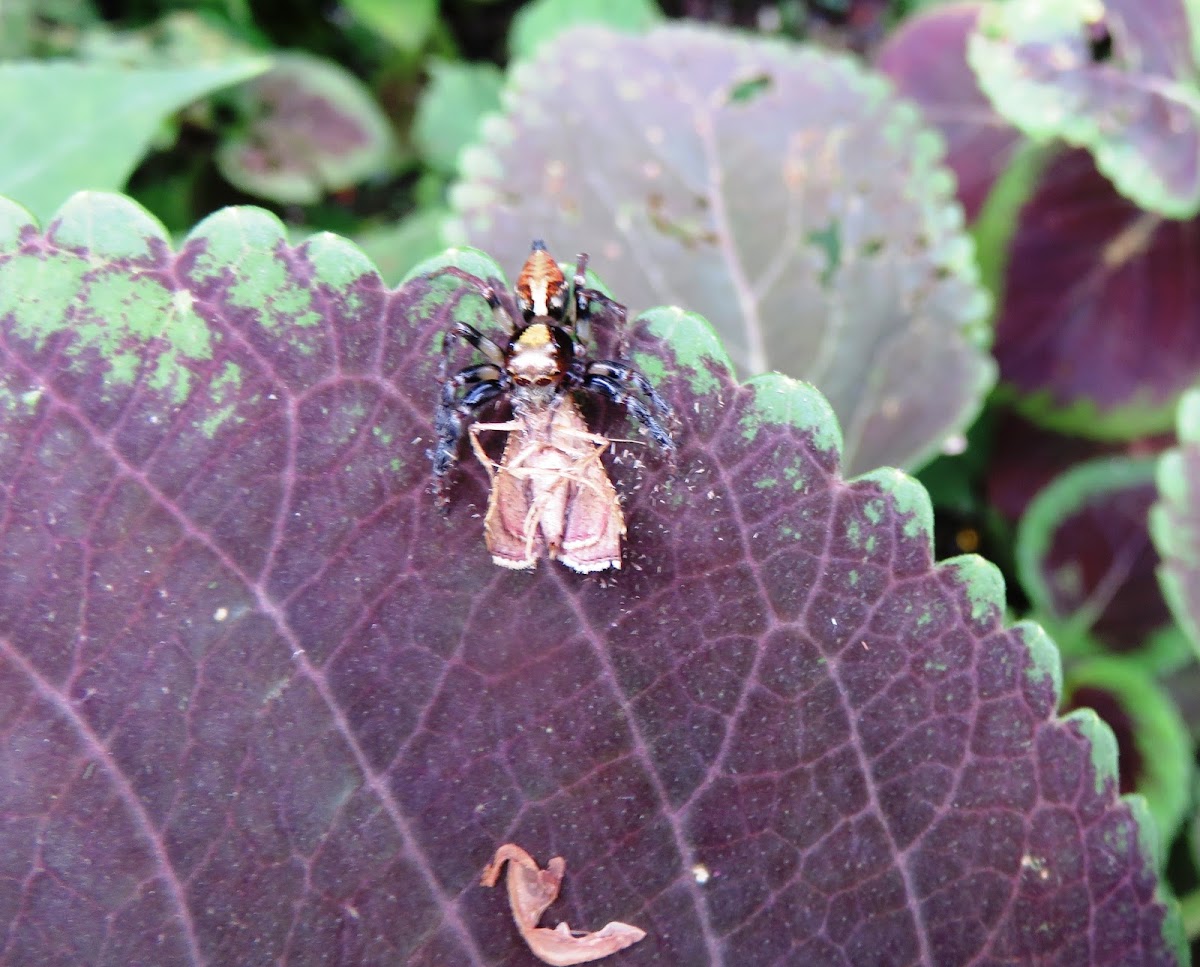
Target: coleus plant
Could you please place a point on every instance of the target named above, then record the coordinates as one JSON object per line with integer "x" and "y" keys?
{"x": 262, "y": 703}
{"x": 781, "y": 191}
{"x": 1096, "y": 328}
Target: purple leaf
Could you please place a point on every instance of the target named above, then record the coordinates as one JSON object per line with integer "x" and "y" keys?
{"x": 311, "y": 128}
{"x": 1118, "y": 78}
{"x": 779, "y": 191}
{"x": 1152, "y": 739}
{"x": 927, "y": 61}
{"x": 1099, "y": 329}
{"x": 1085, "y": 558}
{"x": 263, "y": 704}
{"x": 1175, "y": 520}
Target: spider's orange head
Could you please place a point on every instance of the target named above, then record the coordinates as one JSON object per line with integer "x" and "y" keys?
{"x": 541, "y": 288}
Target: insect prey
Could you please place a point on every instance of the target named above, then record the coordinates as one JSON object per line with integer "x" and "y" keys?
{"x": 550, "y": 492}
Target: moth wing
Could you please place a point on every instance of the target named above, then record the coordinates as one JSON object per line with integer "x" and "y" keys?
{"x": 506, "y": 526}
{"x": 593, "y": 525}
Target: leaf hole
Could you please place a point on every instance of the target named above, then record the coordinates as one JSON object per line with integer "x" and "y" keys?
{"x": 745, "y": 91}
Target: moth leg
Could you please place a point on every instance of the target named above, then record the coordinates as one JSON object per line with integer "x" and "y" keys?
{"x": 489, "y": 464}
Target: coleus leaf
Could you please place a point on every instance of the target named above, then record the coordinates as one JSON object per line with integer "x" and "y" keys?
{"x": 72, "y": 126}
{"x": 1117, "y": 78}
{"x": 1099, "y": 330}
{"x": 1085, "y": 559}
{"x": 926, "y": 58}
{"x": 1175, "y": 520}
{"x": 780, "y": 191}
{"x": 310, "y": 128}
{"x": 262, "y": 703}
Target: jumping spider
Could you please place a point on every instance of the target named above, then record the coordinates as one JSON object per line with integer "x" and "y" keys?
{"x": 551, "y": 495}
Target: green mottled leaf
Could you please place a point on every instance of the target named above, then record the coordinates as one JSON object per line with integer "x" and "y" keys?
{"x": 264, "y": 704}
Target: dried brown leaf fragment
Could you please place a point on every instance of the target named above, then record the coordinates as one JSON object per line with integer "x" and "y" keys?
{"x": 530, "y": 891}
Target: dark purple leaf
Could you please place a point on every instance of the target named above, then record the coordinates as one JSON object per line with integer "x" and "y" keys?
{"x": 263, "y": 704}
{"x": 311, "y": 128}
{"x": 779, "y": 191}
{"x": 1085, "y": 558}
{"x": 1099, "y": 329}
{"x": 927, "y": 61}
{"x": 1117, "y": 77}
{"x": 1023, "y": 458}
{"x": 1175, "y": 520}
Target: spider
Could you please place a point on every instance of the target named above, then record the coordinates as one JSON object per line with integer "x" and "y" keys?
{"x": 550, "y": 493}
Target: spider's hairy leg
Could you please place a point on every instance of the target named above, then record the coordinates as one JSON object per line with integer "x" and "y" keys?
{"x": 623, "y": 374}
{"x": 606, "y": 378}
{"x": 492, "y": 352}
{"x": 484, "y": 383}
{"x": 502, "y": 314}
{"x": 580, "y": 309}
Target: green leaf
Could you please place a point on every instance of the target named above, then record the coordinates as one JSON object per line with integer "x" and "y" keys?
{"x": 403, "y": 23}
{"x": 70, "y": 126}
{"x": 447, "y": 118}
{"x": 542, "y": 20}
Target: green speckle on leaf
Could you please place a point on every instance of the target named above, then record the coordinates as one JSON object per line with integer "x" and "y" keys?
{"x": 784, "y": 401}
{"x": 983, "y": 583}
{"x": 1102, "y": 742}
{"x": 766, "y": 483}
{"x": 1045, "y": 659}
{"x": 214, "y": 421}
{"x": 696, "y": 345}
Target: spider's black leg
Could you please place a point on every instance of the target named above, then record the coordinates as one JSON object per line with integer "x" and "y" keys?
{"x": 485, "y": 382}
{"x": 581, "y": 307}
{"x": 620, "y": 373}
{"x": 491, "y": 351}
{"x": 503, "y": 316}
{"x": 609, "y": 387}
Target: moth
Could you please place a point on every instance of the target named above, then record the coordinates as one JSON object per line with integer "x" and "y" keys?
{"x": 551, "y": 495}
